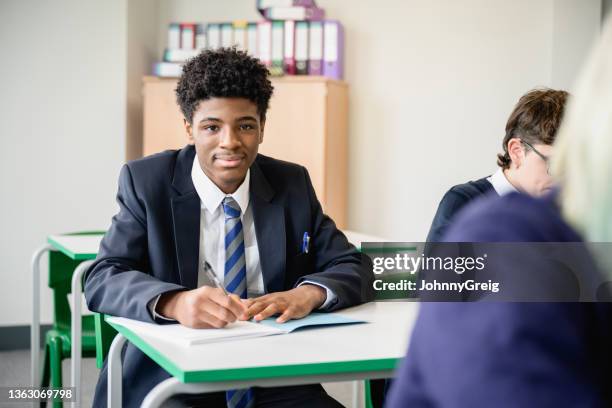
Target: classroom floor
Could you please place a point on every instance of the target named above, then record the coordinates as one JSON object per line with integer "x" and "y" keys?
{"x": 15, "y": 371}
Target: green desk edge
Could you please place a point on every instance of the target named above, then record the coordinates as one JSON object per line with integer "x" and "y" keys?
{"x": 73, "y": 255}
{"x": 252, "y": 373}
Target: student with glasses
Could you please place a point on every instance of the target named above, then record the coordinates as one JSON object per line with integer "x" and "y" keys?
{"x": 523, "y": 164}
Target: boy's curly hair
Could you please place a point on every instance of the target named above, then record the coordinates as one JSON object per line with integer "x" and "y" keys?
{"x": 225, "y": 72}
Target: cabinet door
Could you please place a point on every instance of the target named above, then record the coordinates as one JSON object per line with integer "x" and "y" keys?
{"x": 163, "y": 121}
{"x": 295, "y": 128}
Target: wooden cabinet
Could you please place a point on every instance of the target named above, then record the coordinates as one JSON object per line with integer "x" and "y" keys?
{"x": 307, "y": 123}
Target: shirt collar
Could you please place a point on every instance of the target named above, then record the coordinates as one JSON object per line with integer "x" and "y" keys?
{"x": 500, "y": 183}
{"x": 211, "y": 196}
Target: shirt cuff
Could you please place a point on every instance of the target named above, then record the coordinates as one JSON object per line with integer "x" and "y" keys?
{"x": 152, "y": 310}
{"x": 330, "y": 298}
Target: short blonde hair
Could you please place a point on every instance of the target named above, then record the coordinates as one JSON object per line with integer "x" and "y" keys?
{"x": 582, "y": 158}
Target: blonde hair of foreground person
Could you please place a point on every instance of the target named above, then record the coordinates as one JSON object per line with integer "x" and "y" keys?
{"x": 582, "y": 159}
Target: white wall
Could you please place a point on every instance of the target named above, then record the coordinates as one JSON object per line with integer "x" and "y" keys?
{"x": 208, "y": 11}
{"x": 428, "y": 109}
{"x": 432, "y": 83}
{"x": 142, "y": 40}
{"x": 575, "y": 26}
{"x": 62, "y": 126}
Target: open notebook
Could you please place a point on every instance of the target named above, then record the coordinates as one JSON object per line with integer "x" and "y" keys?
{"x": 186, "y": 336}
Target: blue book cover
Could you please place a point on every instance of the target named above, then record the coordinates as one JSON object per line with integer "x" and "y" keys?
{"x": 311, "y": 321}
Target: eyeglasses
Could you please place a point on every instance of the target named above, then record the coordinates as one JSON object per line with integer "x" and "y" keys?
{"x": 545, "y": 158}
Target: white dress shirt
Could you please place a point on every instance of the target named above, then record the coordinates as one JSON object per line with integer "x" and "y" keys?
{"x": 212, "y": 236}
{"x": 500, "y": 183}
{"x": 212, "y": 231}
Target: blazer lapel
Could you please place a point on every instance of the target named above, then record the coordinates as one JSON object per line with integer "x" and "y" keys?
{"x": 269, "y": 221}
{"x": 186, "y": 219}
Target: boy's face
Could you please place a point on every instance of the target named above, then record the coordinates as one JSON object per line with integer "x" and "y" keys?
{"x": 226, "y": 133}
{"x": 529, "y": 169}
{"x": 533, "y": 174}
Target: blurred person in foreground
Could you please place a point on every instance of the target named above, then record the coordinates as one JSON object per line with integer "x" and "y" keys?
{"x": 529, "y": 354}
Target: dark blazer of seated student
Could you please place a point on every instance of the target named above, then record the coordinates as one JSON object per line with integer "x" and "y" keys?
{"x": 523, "y": 166}
{"x": 171, "y": 220}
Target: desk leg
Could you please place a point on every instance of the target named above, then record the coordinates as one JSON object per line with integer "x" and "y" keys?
{"x": 161, "y": 392}
{"x": 76, "y": 331}
{"x": 35, "y": 329}
{"x": 356, "y": 394}
{"x": 115, "y": 372}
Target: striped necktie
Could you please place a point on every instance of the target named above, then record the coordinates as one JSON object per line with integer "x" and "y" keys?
{"x": 235, "y": 282}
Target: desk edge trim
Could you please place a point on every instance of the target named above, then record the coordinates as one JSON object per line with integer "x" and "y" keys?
{"x": 237, "y": 374}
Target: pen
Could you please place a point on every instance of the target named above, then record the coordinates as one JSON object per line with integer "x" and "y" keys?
{"x": 208, "y": 270}
{"x": 305, "y": 242}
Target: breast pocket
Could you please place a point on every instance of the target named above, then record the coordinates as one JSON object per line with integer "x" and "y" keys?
{"x": 298, "y": 266}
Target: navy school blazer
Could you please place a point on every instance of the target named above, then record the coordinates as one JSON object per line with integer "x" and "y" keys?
{"x": 152, "y": 247}
{"x": 453, "y": 202}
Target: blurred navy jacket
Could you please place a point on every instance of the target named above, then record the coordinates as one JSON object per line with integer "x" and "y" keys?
{"x": 508, "y": 354}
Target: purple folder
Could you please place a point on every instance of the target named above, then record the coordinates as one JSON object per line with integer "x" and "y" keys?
{"x": 333, "y": 49}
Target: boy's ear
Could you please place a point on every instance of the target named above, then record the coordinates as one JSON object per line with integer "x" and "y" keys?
{"x": 516, "y": 151}
{"x": 189, "y": 130}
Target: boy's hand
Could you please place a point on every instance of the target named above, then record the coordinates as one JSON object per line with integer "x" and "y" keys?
{"x": 292, "y": 304}
{"x": 204, "y": 307}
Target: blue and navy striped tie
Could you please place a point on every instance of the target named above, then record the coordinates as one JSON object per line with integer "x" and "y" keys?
{"x": 235, "y": 281}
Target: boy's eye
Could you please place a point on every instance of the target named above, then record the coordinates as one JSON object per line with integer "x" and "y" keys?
{"x": 211, "y": 128}
{"x": 246, "y": 126}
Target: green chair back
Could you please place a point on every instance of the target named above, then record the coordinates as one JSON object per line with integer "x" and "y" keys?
{"x": 61, "y": 268}
{"x": 58, "y": 340}
{"x": 60, "y": 282}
